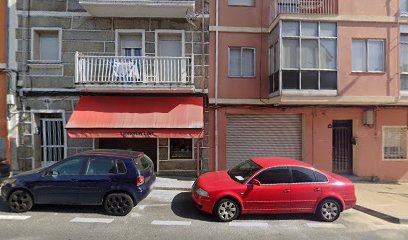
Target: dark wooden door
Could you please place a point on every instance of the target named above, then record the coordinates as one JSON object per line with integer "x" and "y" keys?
{"x": 343, "y": 146}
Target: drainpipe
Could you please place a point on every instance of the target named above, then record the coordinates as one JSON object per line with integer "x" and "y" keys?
{"x": 202, "y": 46}
{"x": 216, "y": 83}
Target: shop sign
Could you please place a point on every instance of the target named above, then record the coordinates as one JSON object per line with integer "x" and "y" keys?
{"x": 137, "y": 134}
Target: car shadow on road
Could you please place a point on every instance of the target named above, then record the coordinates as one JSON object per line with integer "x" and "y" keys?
{"x": 183, "y": 206}
{"x": 59, "y": 209}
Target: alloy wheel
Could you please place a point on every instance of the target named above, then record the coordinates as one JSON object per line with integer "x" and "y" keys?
{"x": 227, "y": 210}
{"x": 329, "y": 211}
{"x": 20, "y": 201}
{"x": 118, "y": 204}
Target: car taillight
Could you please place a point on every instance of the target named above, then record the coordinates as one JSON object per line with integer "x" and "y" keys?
{"x": 139, "y": 180}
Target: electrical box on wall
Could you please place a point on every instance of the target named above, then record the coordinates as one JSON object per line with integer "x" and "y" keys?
{"x": 369, "y": 118}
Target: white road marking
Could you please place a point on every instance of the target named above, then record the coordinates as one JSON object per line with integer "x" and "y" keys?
{"x": 91, "y": 220}
{"x": 248, "y": 224}
{"x": 141, "y": 207}
{"x": 13, "y": 217}
{"x": 325, "y": 225}
{"x": 171, "y": 223}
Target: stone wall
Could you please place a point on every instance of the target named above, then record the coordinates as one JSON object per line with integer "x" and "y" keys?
{"x": 95, "y": 35}
{"x": 84, "y": 33}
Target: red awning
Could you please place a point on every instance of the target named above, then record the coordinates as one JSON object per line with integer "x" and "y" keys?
{"x": 137, "y": 117}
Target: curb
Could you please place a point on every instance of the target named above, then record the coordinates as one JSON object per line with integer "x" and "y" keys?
{"x": 381, "y": 215}
{"x": 184, "y": 189}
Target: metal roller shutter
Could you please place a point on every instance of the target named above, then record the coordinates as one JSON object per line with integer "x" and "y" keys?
{"x": 263, "y": 135}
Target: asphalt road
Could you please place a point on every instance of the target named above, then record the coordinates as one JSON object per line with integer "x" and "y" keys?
{"x": 171, "y": 215}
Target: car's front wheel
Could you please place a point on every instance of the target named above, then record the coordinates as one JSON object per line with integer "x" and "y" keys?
{"x": 20, "y": 201}
{"x": 227, "y": 210}
{"x": 328, "y": 210}
{"x": 118, "y": 204}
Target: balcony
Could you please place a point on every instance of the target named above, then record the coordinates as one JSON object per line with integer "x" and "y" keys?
{"x": 308, "y": 7}
{"x": 138, "y": 8}
{"x": 144, "y": 73}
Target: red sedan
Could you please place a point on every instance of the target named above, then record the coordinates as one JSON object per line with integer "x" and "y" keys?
{"x": 273, "y": 185}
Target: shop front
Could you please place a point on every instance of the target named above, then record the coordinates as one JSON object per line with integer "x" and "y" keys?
{"x": 167, "y": 129}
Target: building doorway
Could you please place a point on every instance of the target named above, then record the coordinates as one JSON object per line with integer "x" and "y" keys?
{"x": 343, "y": 146}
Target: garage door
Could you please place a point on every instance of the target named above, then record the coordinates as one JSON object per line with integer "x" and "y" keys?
{"x": 263, "y": 135}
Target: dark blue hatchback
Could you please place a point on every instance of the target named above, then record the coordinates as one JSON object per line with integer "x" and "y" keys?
{"x": 116, "y": 179}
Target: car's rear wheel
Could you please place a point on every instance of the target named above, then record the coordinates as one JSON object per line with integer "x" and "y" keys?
{"x": 118, "y": 204}
{"x": 227, "y": 210}
{"x": 328, "y": 210}
{"x": 20, "y": 201}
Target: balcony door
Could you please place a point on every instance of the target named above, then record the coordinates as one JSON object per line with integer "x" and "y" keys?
{"x": 171, "y": 65}
{"x": 128, "y": 67}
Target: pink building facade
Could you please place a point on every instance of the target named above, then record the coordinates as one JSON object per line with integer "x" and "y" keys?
{"x": 322, "y": 81}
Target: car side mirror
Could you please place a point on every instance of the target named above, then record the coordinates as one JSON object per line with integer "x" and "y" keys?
{"x": 256, "y": 182}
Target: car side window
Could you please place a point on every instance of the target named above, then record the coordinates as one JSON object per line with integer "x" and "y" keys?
{"x": 70, "y": 167}
{"x": 277, "y": 175}
{"x": 121, "y": 166}
{"x": 320, "y": 177}
{"x": 146, "y": 162}
{"x": 143, "y": 163}
{"x": 303, "y": 175}
{"x": 101, "y": 166}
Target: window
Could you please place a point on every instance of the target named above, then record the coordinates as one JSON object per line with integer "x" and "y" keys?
{"x": 404, "y": 62}
{"x": 243, "y": 171}
{"x": 181, "y": 148}
{"x": 320, "y": 177}
{"x": 277, "y": 175}
{"x": 143, "y": 163}
{"x": 170, "y": 44}
{"x": 121, "y": 166}
{"x": 129, "y": 43}
{"x": 241, "y": 2}
{"x": 46, "y": 45}
{"x": 101, "y": 166}
{"x": 404, "y": 7}
{"x": 303, "y": 175}
{"x": 368, "y": 55}
{"x": 395, "y": 143}
{"x": 309, "y": 56}
{"x": 241, "y": 62}
{"x": 71, "y": 167}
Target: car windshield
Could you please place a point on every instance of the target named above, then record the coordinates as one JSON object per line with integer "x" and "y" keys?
{"x": 243, "y": 171}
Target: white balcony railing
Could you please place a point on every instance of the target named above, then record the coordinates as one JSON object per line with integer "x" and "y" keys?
{"x": 103, "y": 70}
{"x": 311, "y": 7}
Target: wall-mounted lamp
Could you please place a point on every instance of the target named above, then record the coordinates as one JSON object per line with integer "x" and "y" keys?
{"x": 368, "y": 118}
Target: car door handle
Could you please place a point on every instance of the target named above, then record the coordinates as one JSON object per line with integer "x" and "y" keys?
{"x": 317, "y": 189}
{"x": 286, "y": 190}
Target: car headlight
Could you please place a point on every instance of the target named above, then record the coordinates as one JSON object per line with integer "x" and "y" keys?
{"x": 202, "y": 193}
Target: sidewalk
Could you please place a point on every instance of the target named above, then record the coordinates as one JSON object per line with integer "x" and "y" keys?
{"x": 174, "y": 183}
{"x": 386, "y": 201}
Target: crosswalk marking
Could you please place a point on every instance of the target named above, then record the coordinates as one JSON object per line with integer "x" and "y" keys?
{"x": 171, "y": 223}
{"x": 248, "y": 224}
{"x": 13, "y": 217}
{"x": 91, "y": 220}
{"x": 325, "y": 225}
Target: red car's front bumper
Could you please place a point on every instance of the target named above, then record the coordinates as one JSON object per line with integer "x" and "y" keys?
{"x": 204, "y": 204}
